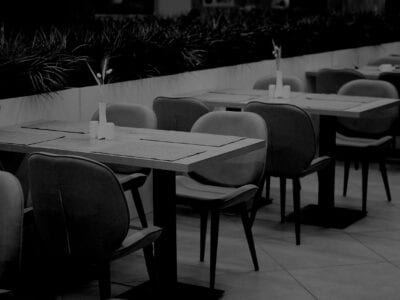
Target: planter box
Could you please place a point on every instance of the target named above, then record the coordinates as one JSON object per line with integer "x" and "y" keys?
{"x": 80, "y": 103}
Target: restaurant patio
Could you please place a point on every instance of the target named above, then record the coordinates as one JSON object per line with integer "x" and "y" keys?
{"x": 194, "y": 149}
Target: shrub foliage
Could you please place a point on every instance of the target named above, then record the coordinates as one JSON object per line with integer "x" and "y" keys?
{"x": 47, "y": 58}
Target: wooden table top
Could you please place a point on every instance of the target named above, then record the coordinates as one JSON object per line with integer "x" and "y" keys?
{"x": 318, "y": 104}
{"x": 370, "y": 72}
{"x": 156, "y": 149}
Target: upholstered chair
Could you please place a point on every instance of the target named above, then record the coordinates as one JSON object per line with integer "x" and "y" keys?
{"x": 231, "y": 184}
{"x": 292, "y": 151}
{"x": 178, "y": 113}
{"x": 82, "y": 219}
{"x": 369, "y": 138}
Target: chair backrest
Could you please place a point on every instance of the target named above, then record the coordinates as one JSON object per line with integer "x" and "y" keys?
{"x": 392, "y": 77}
{"x": 11, "y": 220}
{"x": 393, "y": 60}
{"x": 375, "y": 124}
{"x": 329, "y": 81}
{"x": 178, "y": 113}
{"x": 79, "y": 207}
{"x": 241, "y": 170}
{"x": 292, "y": 138}
{"x": 295, "y": 83}
{"x": 129, "y": 115}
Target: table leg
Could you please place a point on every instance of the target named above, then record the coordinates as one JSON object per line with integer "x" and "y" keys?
{"x": 326, "y": 177}
{"x": 165, "y": 217}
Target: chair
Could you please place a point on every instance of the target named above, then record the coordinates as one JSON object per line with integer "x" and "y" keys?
{"x": 178, "y": 113}
{"x": 329, "y": 81}
{"x": 131, "y": 178}
{"x": 392, "y": 77}
{"x": 393, "y": 60}
{"x": 82, "y": 218}
{"x": 292, "y": 151}
{"x": 295, "y": 83}
{"x": 233, "y": 183}
{"x": 11, "y": 221}
{"x": 367, "y": 139}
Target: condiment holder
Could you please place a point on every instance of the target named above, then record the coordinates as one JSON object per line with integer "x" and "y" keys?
{"x": 102, "y": 129}
{"x": 284, "y": 93}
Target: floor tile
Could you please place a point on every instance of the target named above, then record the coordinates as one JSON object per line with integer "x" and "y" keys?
{"x": 91, "y": 292}
{"x": 368, "y": 281}
{"x": 386, "y": 244}
{"x": 262, "y": 285}
{"x": 327, "y": 248}
{"x": 130, "y": 269}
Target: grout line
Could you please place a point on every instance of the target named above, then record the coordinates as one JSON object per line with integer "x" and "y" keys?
{"x": 368, "y": 234}
{"x": 368, "y": 247}
{"x": 395, "y": 265}
{"x": 287, "y": 272}
{"x": 335, "y": 266}
{"x": 301, "y": 284}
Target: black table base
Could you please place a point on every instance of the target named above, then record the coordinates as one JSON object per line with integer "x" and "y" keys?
{"x": 182, "y": 291}
{"x": 335, "y": 217}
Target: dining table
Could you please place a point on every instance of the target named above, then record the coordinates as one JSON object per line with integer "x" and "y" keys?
{"x": 370, "y": 72}
{"x": 165, "y": 152}
{"x": 327, "y": 107}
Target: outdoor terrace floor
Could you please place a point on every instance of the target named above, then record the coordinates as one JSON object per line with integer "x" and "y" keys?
{"x": 359, "y": 262}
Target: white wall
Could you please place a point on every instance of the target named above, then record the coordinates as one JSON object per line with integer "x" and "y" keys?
{"x": 172, "y": 7}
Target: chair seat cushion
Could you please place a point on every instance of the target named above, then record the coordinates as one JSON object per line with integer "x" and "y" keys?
{"x": 133, "y": 180}
{"x": 354, "y": 142}
{"x": 137, "y": 239}
{"x": 194, "y": 193}
{"x": 317, "y": 164}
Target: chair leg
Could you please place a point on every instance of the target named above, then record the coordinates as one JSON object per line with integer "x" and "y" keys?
{"x": 267, "y": 186}
{"x": 346, "y": 177}
{"x": 296, "y": 205}
{"x": 254, "y": 208}
{"x": 213, "y": 246}
{"x": 257, "y": 201}
{"x": 203, "y": 233}
{"x": 382, "y": 167}
{"x": 139, "y": 207}
{"x": 283, "y": 198}
{"x": 249, "y": 236}
{"x": 104, "y": 281}
{"x": 364, "y": 168}
{"x": 150, "y": 262}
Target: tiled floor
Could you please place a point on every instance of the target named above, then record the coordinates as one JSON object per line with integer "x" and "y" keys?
{"x": 359, "y": 262}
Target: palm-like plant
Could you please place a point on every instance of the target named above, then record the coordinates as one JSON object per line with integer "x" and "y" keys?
{"x": 50, "y": 58}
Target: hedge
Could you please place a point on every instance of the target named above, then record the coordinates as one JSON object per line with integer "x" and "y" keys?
{"x": 53, "y": 57}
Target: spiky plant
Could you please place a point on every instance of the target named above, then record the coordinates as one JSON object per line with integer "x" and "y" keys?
{"x": 37, "y": 64}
